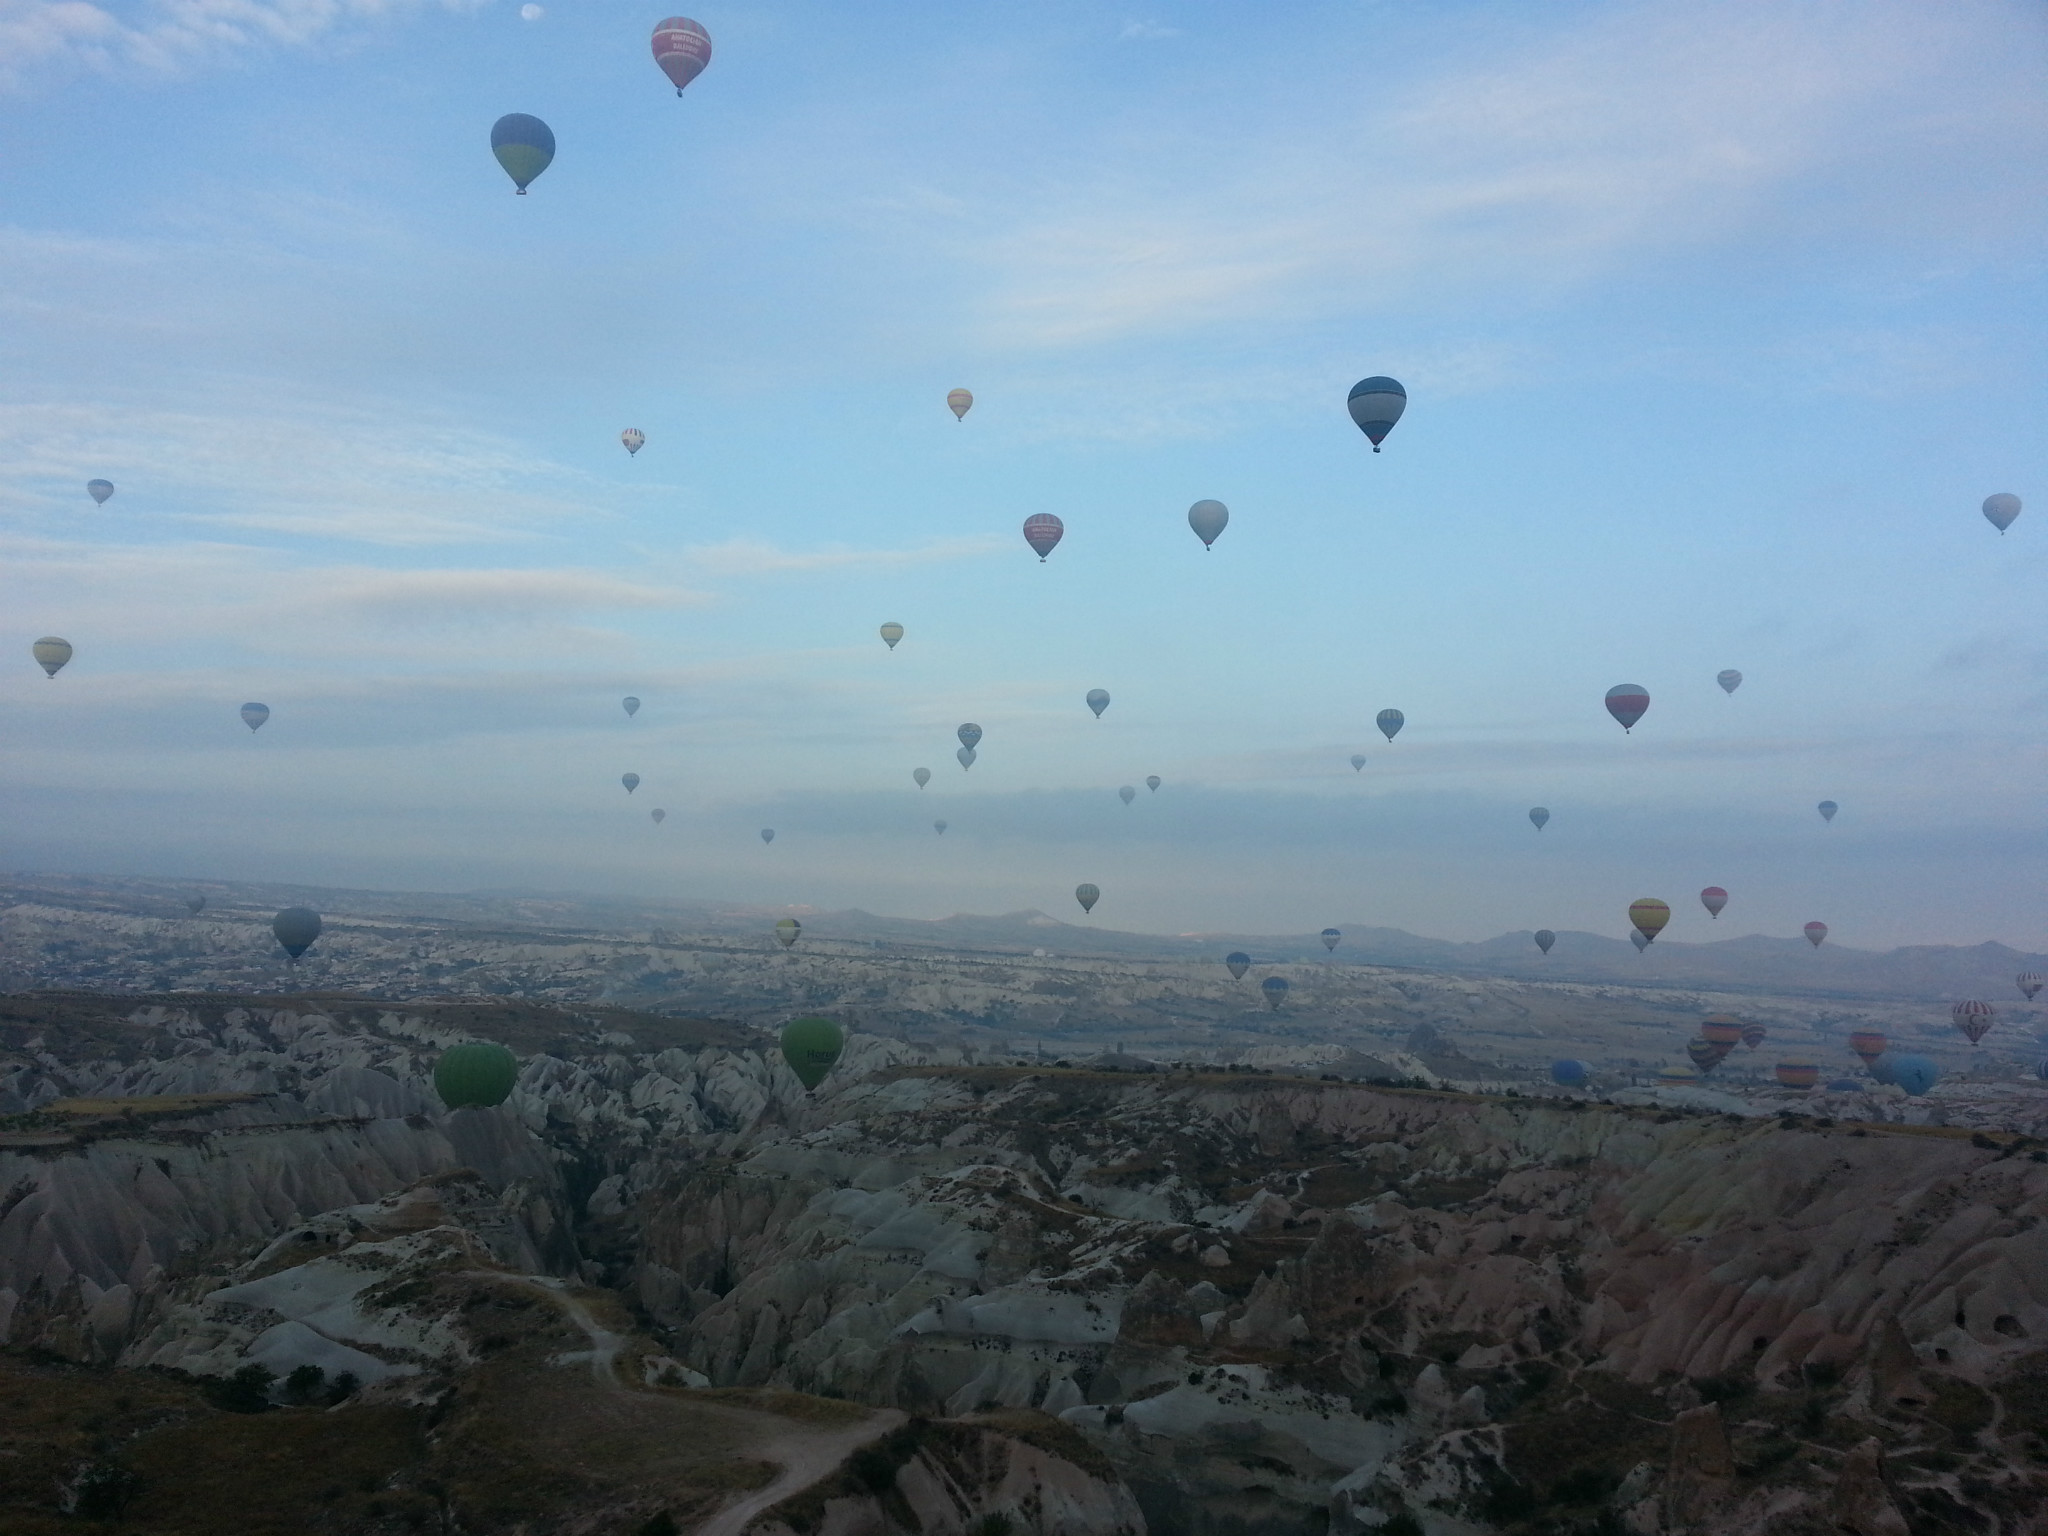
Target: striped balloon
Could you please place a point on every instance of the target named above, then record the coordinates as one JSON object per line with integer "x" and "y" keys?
{"x": 1043, "y": 532}
{"x": 1375, "y": 405}
{"x": 2031, "y": 983}
{"x": 1713, "y": 898}
{"x": 1754, "y": 1035}
{"x": 1868, "y": 1044}
{"x": 1973, "y": 1019}
{"x": 682, "y": 49}
{"x": 1797, "y": 1072}
{"x": 1649, "y": 916}
{"x": 1816, "y": 934}
{"x": 524, "y": 146}
{"x": 1677, "y": 1077}
{"x": 1722, "y": 1031}
{"x": 1628, "y": 702}
{"x": 959, "y": 402}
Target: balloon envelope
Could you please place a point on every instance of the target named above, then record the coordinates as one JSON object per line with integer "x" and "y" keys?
{"x": 1390, "y": 722}
{"x": 1539, "y": 815}
{"x": 1640, "y": 940}
{"x": 1330, "y": 936}
{"x": 1238, "y": 962}
{"x": 659, "y": 815}
{"x": 811, "y": 1046}
{"x": 1827, "y": 809}
{"x": 296, "y": 929}
{"x": 195, "y": 904}
{"x": 939, "y": 827}
{"x": 1797, "y": 1072}
{"x": 2031, "y": 983}
{"x": 631, "y": 705}
{"x": 524, "y": 145}
{"x": 1915, "y": 1074}
{"x": 1098, "y": 700}
{"x": 1275, "y": 988}
{"x": 1628, "y": 702}
{"x": 475, "y": 1075}
{"x": 1729, "y": 680}
{"x": 1357, "y": 761}
{"x": 1754, "y": 1035}
{"x": 1568, "y": 1074}
{"x": 630, "y": 780}
{"x": 2000, "y": 509}
{"x": 1152, "y": 782}
{"x": 1042, "y": 531}
{"x": 970, "y": 735}
{"x": 99, "y": 490}
{"x": 1701, "y": 1054}
{"x": 1868, "y": 1044}
{"x": 1127, "y": 794}
{"x": 922, "y": 775}
{"x": 634, "y": 439}
{"x": 959, "y": 402}
{"x": 767, "y": 834}
{"x": 682, "y": 49}
{"x": 891, "y": 633}
{"x": 1087, "y": 895}
{"x": 1816, "y": 934}
{"x": 253, "y": 715}
{"x": 1677, "y": 1077}
{"x": 788, "y": 929}
{"x": 1375, "y": 405}
{"x": 1208, "y": 519}
{"x": 1973, "y": 1019}
{"x": 1713, "y": 898}
{"x": 1722, "y": 1031}
{"x": 966, "y": 757}
{"x": 51, "y": 654}
{"x": 1544, "y": 939}
{"x": 1649, "y": 916}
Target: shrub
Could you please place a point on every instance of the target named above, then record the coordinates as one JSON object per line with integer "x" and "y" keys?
{"x": 661, "y": 1523}
{"x": 247, "y": 1391}
{"x": 103, "y": 1490}
{"x": 304, "y": 1383}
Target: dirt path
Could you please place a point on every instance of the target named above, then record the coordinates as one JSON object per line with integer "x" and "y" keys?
{"x": 805, "y": 1457}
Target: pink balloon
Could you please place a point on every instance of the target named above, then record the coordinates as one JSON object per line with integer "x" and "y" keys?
{"x": 682, "y": 49}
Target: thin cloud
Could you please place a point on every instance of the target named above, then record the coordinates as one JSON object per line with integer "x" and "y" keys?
{"x": 754, "y": 557}
{"x": 1147, "y": 31}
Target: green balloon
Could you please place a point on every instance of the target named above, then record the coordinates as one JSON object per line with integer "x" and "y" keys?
{"x": 810, "y": 1046}
{"x": 479, "y": 1073}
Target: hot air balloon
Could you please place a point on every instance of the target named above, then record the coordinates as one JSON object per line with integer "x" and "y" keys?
{"x": 939, "y": 827}
{"x": 959, "y": 402}
{"x": 1208, "y": 519}
{"x": 1390, "y": 722}
{"x": 1722, "y": 1031}
{"x": 1127, "y": 794}
{"x": 1376, "y": 404}
{"x": 1701, "y": 1055}
{"x": 1357, "y": 761}
{"x": 1042, "y": 531}
{"x": 100, "y": 490}
{"x": 1087, "y": 895}
{"x": 891, "y": 633}
{"x": 478, "y": 1074}
{"x": 811, "y": 1046}
{"x": 1649, "y": 915}
{"x": 1544, "y": 939}
{"x": 1868, "y": 1044}
{"x": 1152, "y": 782}
{"x": 659, "y": 815}
{"x": 1628, "y": 702}
{"x": 1713, "y": 898}
{"x": 1539, "y": 815}
{"x": 1797, "y": 1072}
{"x": 1640, "y": 940}
{"x": 630, "y": 780}
{"x": 524, "y": 145}
{"x": 634, "y": 439}
{"x": 1098, "y": 700}
{"x": 631, "y": 706}
{"x": 296, "y": 929}
{"x": 1568, "y": 1074}
{"x": 2000, "y": 509}
{"x": 51, "y": 654}
{"x": 195, "y": 904}
{"x": 253, "y": 715}
{"x": 970, "y": 735}
{"x": 1754, "y": 1035}
{"x": 682, "y": 49}
{"x": 922, "y": 775}
{"x": 1973, "y": 1019}
{"x": 1729, "y": 680}
{"x": 1915, "y": 1074}
{"x": 1827, "y": 809}
{"x": 767, "y": 834}
{"x": 966, "y": 757}
{"x": 1882, "y": 1068}
{"x": 1330, "y": 937}
{"x": 2031, "y": 983}
{"x": 788, "y": 930}
{"x": 1275, "y": 989}
{"x": 1677, "y": 1077}
{"x": 1816, "y": 934}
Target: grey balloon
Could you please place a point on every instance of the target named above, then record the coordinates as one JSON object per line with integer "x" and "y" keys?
{"x": 1640, "y": 939}
{"x": 1153, "y": 781}
{"x": 939, "y": 827}
{"x": 966, "y": 756}
{"x": 1357, "y": 761}
{"x": 630, "y": 780}
{"x": 922, "y": 775}
{"x": 767, "y": 834}
{"x": 632, "y": 706}
{"x": 1127, "y": 794}
{"x": 970, "y": 735}
{"x": 1208, "y": 519}
{"x": 2000, "y": 510}
{"x": 253, "y": 715}
{"x": 296, "y": 929}
{"x": 51, "y": 653}
{"x": 1087, "y": 895}
{"x": 1544, "y": 939}
{"x": 1729, "y": 680}
{"x": 1827, "y": 809}
{"x": 1390, "y": 722}
{"x": 659, "y": 815}
{"x": 1098, "y": 700}
{"x": 99, "y": 490}
{"x": 1539, "y": 815}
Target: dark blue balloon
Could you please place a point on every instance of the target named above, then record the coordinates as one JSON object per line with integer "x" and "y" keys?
{"x": 1239, "y": 962}
{"x": 1568, "y": 1074}
{"x": 1915, "y": 1074}
{"x": 1275, "y": 988}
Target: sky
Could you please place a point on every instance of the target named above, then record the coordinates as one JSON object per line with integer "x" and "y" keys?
{"x": 1718, "y": 322}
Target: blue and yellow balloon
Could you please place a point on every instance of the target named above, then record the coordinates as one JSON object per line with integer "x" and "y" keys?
{"x": 524, "y": 145}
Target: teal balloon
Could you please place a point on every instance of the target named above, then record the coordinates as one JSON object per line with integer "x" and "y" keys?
{"x": 477, "y": 1075}
{"x": 524, "y": 145}
{"x": 1915, "y": 1074}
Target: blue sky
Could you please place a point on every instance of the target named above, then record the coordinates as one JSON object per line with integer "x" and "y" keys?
{"x": 1718, "y": 323}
